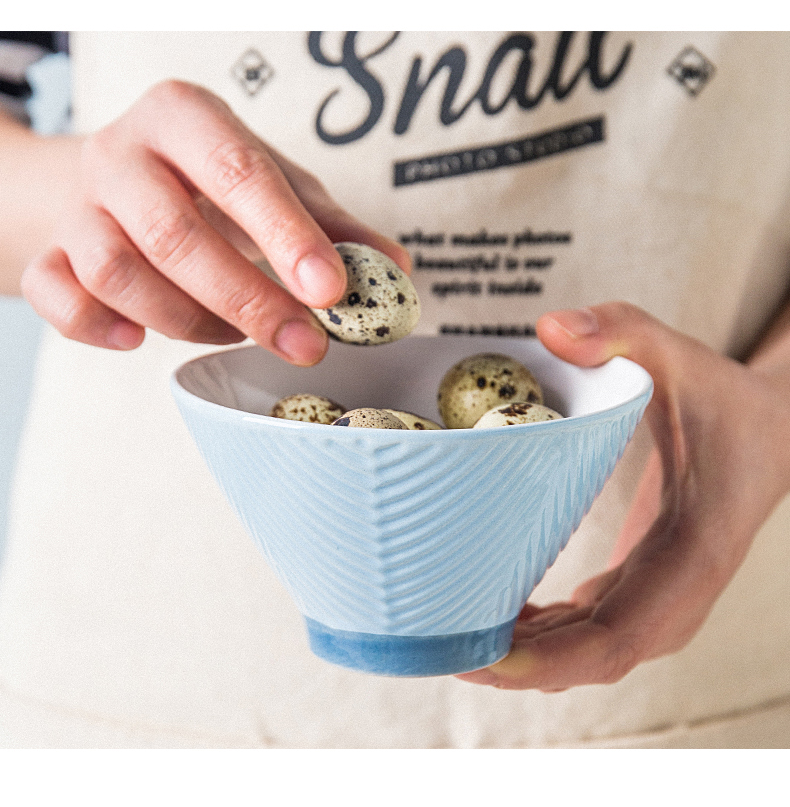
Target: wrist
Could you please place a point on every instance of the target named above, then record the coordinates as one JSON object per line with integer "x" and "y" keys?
{"x": 39, "y": 174}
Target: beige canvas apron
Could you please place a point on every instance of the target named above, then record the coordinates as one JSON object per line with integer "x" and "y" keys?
{"x": 524, "y": 172}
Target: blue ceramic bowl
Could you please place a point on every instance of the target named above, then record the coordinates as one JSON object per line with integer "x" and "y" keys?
{"x": 409, "y": 553}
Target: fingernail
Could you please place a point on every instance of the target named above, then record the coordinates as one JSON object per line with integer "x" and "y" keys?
{"x": 577, "y": 322}
{"x": 303, "y": 342}
{"x": 125, "y": 335}
{"x": 321, "y": 281}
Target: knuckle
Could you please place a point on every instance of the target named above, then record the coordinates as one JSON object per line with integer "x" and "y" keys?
{"x": 69, "y": 308}
{"x": 71, "y": 317}
{"x": 247, "y": 310}
{"x": 98, "y": 149}
{"x": 167, "y": 235}
{"x": 172, "y": 91}
{"x": 40, "y": 275}
{"x": 109, "y": 271}
{"x": 234, "y": 166}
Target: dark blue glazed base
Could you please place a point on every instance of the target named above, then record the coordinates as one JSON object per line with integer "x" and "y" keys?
{"x": 404, "y": 656}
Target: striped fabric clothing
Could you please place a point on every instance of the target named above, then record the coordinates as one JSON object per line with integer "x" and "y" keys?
{"x": 19, "y": 50}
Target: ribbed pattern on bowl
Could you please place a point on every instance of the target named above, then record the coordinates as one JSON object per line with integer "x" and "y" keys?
{"x": 410, "y": 534}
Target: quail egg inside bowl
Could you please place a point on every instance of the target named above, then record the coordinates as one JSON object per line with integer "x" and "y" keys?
{"x": 409, "y": 552}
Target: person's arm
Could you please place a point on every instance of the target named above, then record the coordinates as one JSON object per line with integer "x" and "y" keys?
{"x": 158, "y": 218}
{"x": 38, "y": 174}
{"x": 772, "y": 354}
{"x": 722, "y": 432}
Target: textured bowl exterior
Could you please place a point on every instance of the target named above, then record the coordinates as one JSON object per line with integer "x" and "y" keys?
{"x": 383, "y": 533}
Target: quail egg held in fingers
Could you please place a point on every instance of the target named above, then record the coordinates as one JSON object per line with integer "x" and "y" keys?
{"x": 380, "y": 303}
{"x": 307, "y": 408}
{"x": 367, "y": 418}
{"x": 481, "y": 382}
{"x": 514, "y": 414}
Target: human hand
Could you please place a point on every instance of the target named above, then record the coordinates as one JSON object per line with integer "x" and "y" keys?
{"x": 722, "y": 463}
{"x": 175, "y": 200}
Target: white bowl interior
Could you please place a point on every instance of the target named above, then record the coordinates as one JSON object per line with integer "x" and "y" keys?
{"x": 404, "y": 375}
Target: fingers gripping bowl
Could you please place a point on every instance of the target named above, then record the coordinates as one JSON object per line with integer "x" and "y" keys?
{"x": 408, "y": 552}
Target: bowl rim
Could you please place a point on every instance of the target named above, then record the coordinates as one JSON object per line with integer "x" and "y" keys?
{"x": 637, "y": 400}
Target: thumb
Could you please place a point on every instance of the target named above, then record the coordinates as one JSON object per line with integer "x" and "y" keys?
{"x": 588, "y": 337}
{"x": 591, "y": 336}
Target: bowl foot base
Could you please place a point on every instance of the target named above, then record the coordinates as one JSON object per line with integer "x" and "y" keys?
{"x": 410, "y": 656}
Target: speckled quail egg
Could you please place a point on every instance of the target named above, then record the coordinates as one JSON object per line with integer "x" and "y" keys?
{"x": 307, "y": 408}
{"x": 366, "y": 418}
{"x": 380, "y": 303}
{"x": 479, "y": 383}
{"x": 414, "y": 422}
{"x": 515, "y": 413}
